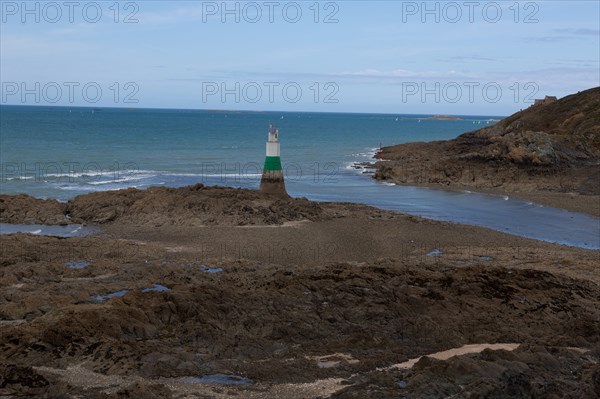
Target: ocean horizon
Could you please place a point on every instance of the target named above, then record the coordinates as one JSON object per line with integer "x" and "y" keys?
{"x": 60, "y": 152}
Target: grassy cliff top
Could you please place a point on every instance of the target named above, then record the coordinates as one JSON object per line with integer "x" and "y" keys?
{"x": 573, "y": 119}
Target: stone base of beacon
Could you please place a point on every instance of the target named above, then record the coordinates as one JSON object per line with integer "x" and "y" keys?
{"x": 272, "y": 181}
{"x": 272, "y": 177}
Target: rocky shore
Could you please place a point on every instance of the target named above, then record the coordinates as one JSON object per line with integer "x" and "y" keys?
{"x": 548, "y": 153}
{"x": 158, "y": 206}
{"x": 204, "y": 292}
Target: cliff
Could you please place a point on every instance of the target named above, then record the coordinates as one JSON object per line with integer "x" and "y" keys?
{"x": 551, "y": 147}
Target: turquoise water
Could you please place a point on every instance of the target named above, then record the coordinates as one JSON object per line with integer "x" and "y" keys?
{"x": 63, "y": 152}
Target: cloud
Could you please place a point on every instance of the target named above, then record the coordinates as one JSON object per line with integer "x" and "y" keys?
{"x": 197, "y": 75}
{"x": 575, "y": 62}
{"x": 565, "y": 34}
{"x": 579, "y": 32}
{"x": 549, "y": 39}
{"x": 549, "y": 79}
{"x": 561, "y": 78}
{"x": 468, "y": 58}
{"x": 403, "y": 74}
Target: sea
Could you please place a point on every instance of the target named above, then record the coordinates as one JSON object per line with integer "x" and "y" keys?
{"x": 62, "y": 152}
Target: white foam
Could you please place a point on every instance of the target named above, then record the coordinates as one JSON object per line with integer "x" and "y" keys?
{"x": 121, "y": 180}
{"x": 179, "y": 174}
{"x": 20, "y": 178}
{"x": 240, "y": 175}
{"x": 86, "y": 189}
{"x": 117, "y": 173}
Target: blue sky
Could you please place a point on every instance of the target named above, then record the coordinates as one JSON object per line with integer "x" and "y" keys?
{"x": 371, "y": 56}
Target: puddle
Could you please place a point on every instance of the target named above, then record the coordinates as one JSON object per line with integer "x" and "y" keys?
{"x": 77, "y": 264}
{"x": 435, "y": 252}
{"x": 485, "y": 258}
{"x": 70, "y": 230}
{"x": 202, "y": 266}
{"x": 327, "y": 364}
{"x": 156, "y": 288}
{"x": 216, "y": 379}
{"x": 168, "y": 262}
{"x": 334, "y": 360}
{"x": 102, "y": 298}
{"x": 208, "y": 269}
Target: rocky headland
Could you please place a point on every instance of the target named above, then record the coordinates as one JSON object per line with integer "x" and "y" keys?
{"x": 549, "y": 153}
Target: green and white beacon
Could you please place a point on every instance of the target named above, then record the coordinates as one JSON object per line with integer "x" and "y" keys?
{"x": 272, "y": 177}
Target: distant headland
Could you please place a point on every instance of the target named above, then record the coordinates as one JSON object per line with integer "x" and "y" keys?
{"x": 547, "y": 153}
{"x": 444, "y": 118}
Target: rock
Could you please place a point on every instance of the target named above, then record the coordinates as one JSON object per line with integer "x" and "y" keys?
{"x": 23, "y": 209}
{"x": 555, "y": 147}
{"x": 160, "y": 206}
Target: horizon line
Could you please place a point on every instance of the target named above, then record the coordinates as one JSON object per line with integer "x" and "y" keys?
{"x": 239, "y": 110}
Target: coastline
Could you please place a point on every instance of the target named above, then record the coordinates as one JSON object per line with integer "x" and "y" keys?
{"x": 548, "y": 153}
{"x": 174, "y": 206}
{"x": 586, "y": 204}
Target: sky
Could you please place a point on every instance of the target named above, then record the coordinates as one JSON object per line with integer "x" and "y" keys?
{"x": 399, "y": 57}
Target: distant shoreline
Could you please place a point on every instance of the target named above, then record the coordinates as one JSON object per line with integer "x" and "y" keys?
{"x": 445, "y": 118}
{"x": 239, "y": 111}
